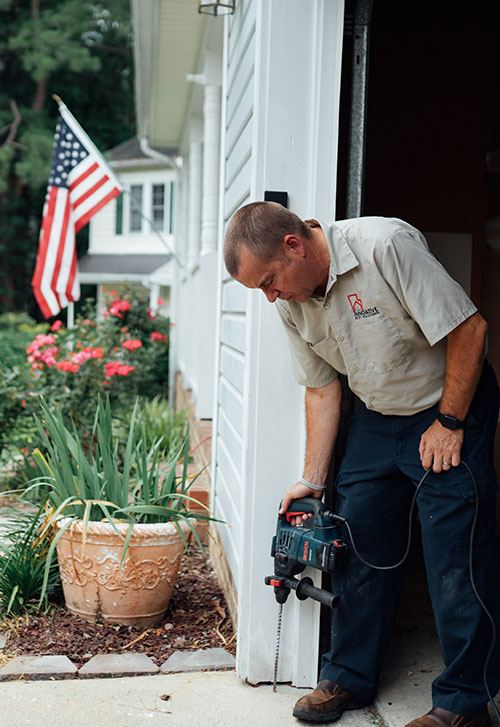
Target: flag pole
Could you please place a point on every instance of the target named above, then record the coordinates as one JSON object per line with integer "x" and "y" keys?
{"x": 70, "y": 315}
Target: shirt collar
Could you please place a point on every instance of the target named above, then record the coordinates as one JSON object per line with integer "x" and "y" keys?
{"x": 342, "y": 258}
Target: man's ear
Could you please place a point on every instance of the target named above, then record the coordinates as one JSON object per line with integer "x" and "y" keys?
{"x": 294, "y": 245}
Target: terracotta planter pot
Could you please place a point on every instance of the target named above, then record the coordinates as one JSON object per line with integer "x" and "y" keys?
{"x": 96, "y": 586}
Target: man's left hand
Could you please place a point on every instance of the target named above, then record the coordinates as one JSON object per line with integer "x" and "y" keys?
{"x": 440, "y": 447}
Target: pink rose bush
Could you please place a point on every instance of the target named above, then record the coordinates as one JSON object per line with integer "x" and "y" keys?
{"x": 123, "y": 352}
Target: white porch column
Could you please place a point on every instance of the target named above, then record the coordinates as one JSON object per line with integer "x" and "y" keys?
{"x": 211, "y": 156}
{"x": 211, "y": 81}
{"x": 195, "y": 181}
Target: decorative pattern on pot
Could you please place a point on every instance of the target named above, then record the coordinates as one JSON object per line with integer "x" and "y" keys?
{"x": 97, "y": 587}
{"x": 111, "y": 575}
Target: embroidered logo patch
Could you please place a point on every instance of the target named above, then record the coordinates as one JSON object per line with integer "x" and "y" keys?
{"x": 355, "y": 302}
{"x": 358, "y": 309}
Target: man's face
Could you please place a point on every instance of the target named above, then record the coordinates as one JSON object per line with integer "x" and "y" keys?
{"x": 288, "y": 277}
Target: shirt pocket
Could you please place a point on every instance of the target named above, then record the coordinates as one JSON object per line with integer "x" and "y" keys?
{"x": 328, "y": 350}
{"x": 378, "y": 345}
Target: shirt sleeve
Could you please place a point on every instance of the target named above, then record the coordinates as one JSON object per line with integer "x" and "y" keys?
{"x": 307, "y": 367}
{"x": 435, "y": 301}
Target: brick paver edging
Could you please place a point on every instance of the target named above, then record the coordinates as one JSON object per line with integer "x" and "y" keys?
{"x": 115, "y": 665}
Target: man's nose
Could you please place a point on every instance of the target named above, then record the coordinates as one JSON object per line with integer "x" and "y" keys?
{"x": 270, "y": 294}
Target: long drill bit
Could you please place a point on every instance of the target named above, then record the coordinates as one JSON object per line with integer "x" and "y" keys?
{"x": 277, "y": 653}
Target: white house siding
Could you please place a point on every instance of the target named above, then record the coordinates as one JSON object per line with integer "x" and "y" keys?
{"x": 239, "y": 105}
{"x": 280, "y": 97}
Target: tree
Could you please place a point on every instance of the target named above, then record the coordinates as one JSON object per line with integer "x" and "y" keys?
{"x": 83, "y": 53}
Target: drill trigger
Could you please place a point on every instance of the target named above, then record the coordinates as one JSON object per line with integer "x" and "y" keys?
{"x": 290, "y": 515}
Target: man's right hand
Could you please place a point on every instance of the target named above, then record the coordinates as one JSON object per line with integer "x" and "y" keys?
{"x": 298, "y": 490}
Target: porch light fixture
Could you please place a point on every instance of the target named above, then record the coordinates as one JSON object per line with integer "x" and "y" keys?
{"x": 216, "y": 7}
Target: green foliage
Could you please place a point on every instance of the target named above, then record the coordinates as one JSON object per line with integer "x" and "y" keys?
{"x": 161, "y": 423}
{"x": 36, "y": 135}
{"x": 17, "y": 330}
{"x": 23, "y": 563}
{"x": 91, "y": 483}
{"x": 82, "y": 52}
{"x": 53, "y": 40}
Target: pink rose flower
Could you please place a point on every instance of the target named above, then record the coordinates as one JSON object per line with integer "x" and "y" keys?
{"x": 132, "y": 344}
{"x": 157, "y": 336}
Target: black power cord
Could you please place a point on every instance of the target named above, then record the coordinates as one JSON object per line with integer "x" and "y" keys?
{"x": 471, "y": 569}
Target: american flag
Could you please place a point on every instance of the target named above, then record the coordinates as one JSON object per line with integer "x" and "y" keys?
{"x": 80, "y": 184}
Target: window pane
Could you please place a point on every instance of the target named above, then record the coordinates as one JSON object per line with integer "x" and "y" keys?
{"x": 119, "y": 215}
{"x": 135, "y": 207}
{"x": 158, "y": 206}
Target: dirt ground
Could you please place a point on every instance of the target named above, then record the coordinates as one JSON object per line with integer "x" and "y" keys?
{"x": 197, "y": 618}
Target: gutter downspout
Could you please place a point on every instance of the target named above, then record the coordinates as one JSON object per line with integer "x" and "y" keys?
{"x": 359, "y": 85}
{"x": 153, "y": 154}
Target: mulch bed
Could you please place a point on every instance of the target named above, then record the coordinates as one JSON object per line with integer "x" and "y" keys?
{"x": 197, "y": 618}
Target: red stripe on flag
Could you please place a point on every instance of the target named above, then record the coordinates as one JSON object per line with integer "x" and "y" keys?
{"x": 92, "y": 211}
{"x": 61, "y": 247}
{"x": 43, "y": 243}
{"x": 83, "y": 176}
{"x": 90, "y": 191}
{"x": 41, "y": 257}
{"x": 72, "y": 276}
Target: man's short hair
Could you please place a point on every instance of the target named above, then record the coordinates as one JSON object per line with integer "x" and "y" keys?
{"x": 260, "y": 227}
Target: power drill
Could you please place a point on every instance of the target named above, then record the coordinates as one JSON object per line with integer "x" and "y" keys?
{"x": 295, "y": 547}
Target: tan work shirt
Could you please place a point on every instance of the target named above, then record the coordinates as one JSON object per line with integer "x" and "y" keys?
{"x": 388, "y": 307}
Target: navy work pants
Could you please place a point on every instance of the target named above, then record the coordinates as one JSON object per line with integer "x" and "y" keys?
{"x": 375, "y": 487}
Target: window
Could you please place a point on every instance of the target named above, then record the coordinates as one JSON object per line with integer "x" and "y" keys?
{"x": 135, "y": 216}
{"x": 158, "y": 207}
{"x": 119, "y": 215}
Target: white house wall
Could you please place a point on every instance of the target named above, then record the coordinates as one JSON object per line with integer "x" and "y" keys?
{"x": 280, "y": 97}
{"x": 238, "y": 114}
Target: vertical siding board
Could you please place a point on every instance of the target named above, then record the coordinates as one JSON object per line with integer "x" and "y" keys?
{"x": 239, "y": 189}
{"x": 234, "y": 297}
{"x": 230, "y": 475}
{"x": 232, "y": 367}
{"x": 233, "y": 330}
{"x": 229, "y": 435}
{"x": 241, "y": 28}
{"x": 241, "y": 75}
{"x": 237, "y": 155}
{"x": 240, "y": 153}
{"x": 242, "y": 114}
{"x": 231, "y": 404}
{"x": 230, "y": 534}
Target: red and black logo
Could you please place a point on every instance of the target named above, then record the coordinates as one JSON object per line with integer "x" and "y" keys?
{"x": 358, "y": 309}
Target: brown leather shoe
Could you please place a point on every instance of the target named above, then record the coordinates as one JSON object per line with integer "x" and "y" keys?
{"x": 438, "y": 717}
{"x": 325, "y": 703}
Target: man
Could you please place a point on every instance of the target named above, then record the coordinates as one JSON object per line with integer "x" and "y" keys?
{"x": 365, "y": 298}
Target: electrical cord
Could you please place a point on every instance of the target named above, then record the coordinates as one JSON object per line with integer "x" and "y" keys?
{"x": 471, "y": 569}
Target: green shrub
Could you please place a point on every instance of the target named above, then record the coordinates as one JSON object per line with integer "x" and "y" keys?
{"x": 23, "y": 563}
{"x": 17, "y": 330}
{"x": 159, "y": 421}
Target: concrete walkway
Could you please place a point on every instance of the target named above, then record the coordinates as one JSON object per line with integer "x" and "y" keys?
{"x": 221, "y": 699}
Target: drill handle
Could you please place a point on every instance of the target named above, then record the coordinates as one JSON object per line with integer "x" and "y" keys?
{"x": 306, "y": 589}
{"x": 302, "y": 505}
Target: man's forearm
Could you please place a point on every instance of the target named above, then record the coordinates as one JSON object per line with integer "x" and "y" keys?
{"x": 440, "y": 448}
{"x": 464, "y": 360}
{"x": 322, "y": 424}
